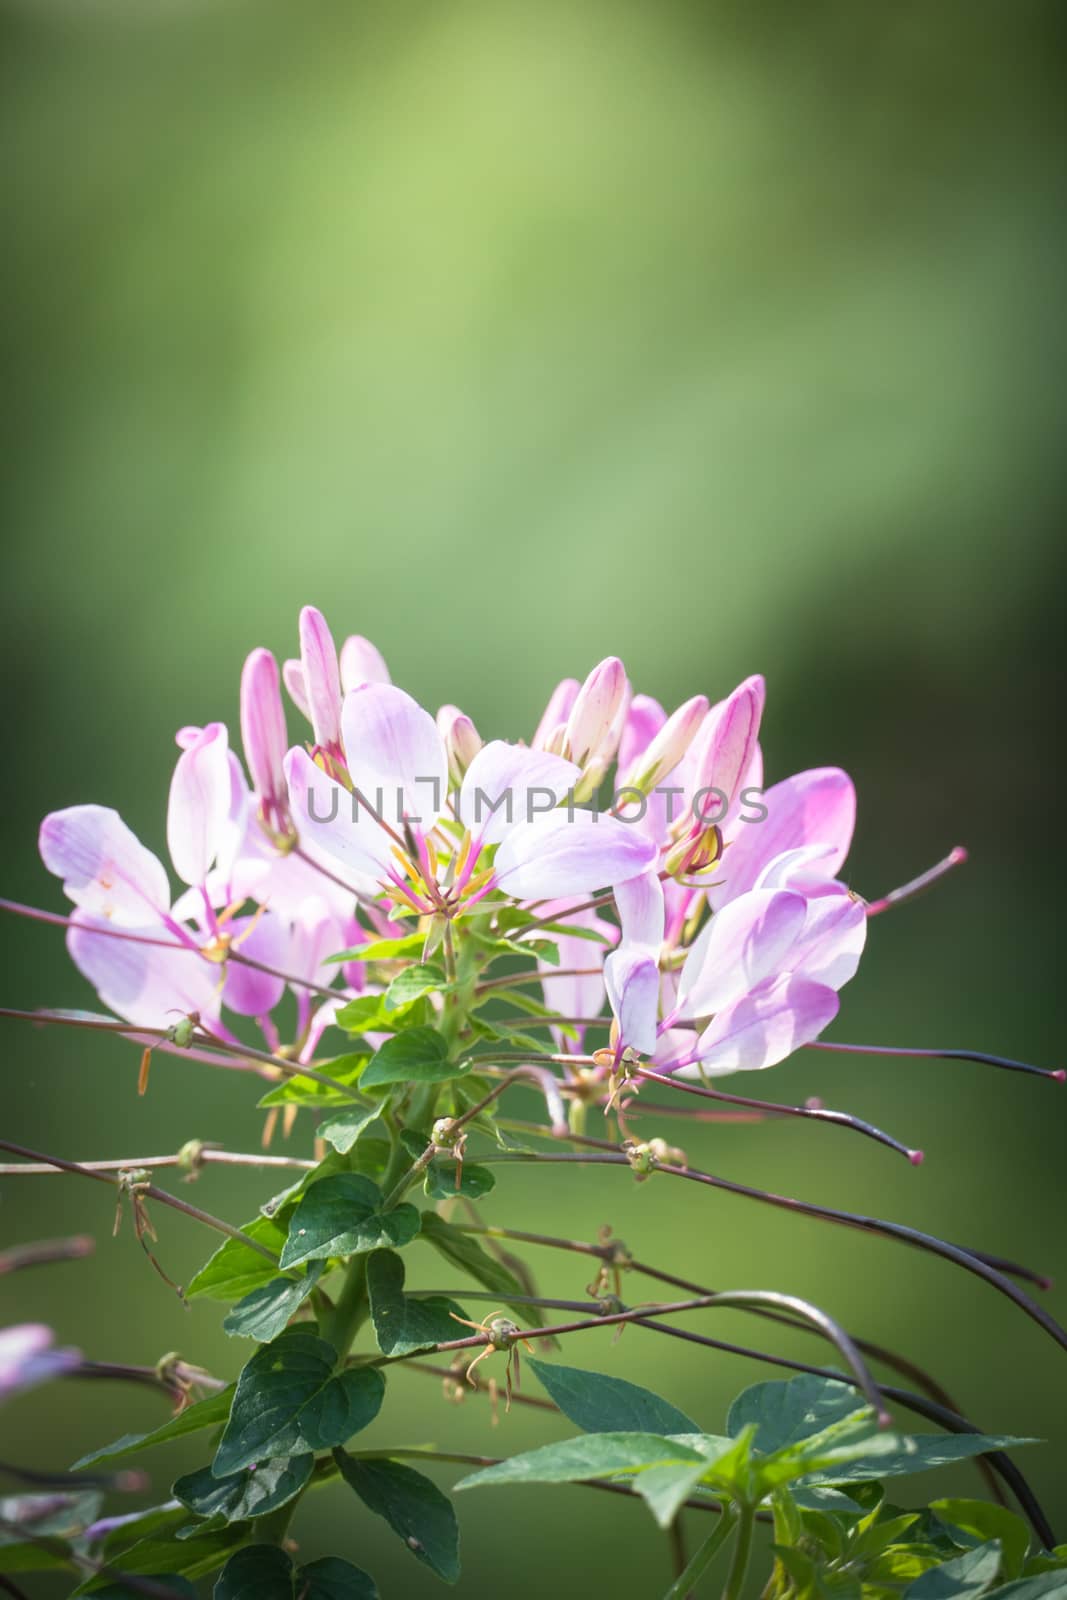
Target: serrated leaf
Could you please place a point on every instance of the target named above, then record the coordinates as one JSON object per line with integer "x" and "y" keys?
{"x": 235, "y": 1270}
{"x": 209, "y": 1413}
{"x": 445, "y": 1179}
{"x": 343, "y": 1129}
{"x": 966, "y": 1577}
{"x": 413, "y": 1507}
{"x": 341, "y": 1216}
{"x": 418, "y": 1055}
{"x": 423, "y": 977}
{"x": 266, "y": 1311}
{"x": 259, "y": 1572}
{"x": 462, "y": 1250}
{"x": 289, "y": 1400}
{"x": 402, "y": 1323}
{"x": 330, "y": 1578}
{"x": 250, "y": 1493}
{"x": 601, "y": 1404}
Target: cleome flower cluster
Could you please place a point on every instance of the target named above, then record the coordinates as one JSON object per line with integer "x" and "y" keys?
{"x": 732, "y": 935}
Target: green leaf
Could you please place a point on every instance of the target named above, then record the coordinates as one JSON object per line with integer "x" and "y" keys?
{"x": 418, "y": 1055}
{"x": 593, "y": 1455}
{"x": 209, "y": 1413}
{"x": 403, "y": 1323}
{"x": 919, "y": 1453}
{"x": 300, "y": 1091}
{"x": 250, "y": 1493}
{"x": 289, "y": 1400}
{"x": 424, "y": 977}
{"x": 975, "y": 1522}
{"x": 330, "y": 1578}
{"x": 266, "y": 1311}
{"x": 964, "y": 1578}
{"x": 383, "y": 949}
{"x": 783, "y": 1413}
{"x": 235, "y": 1270}
{"x": 599, "y": 1404}
{"x": 259, "y": 1572}
{"x": 343, "y": 1129}
{"x": 1044, "y": 1586}
{"x": 462, "y": 1250}
{"x": 413, "y": 1507}
{"x": 442, "y": 1175}
{"x": 341, "y": 1216}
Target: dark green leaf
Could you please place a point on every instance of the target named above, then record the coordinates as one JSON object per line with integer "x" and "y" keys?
{"x": 1044, "y": 1586}
{"x": 288, "y": 1400}
{"x": 403, "y": 1323}
{"x": 209, "y": 1413}
{"x": 919, "y": 1453}
{"x": 266, "y": 1311}
{"x": 235, "y": 1270}
{"x": 194, "y": 1558}
{"x": 445, "y": 1179}
{"x": 241, "y": 1495}
{"x": 599, "y": 1404}
{"x": 179, "y": 1587}
{"x": 259, "y": 1572}
{"x": 344, "y": 1128}
{"x": 340, "y": 1216}
{"x": 413, "y": 1507}
{"x": 330, "y": 1578}
{"x": 418, "y": 1055}
{"x": 964, "y": 1578}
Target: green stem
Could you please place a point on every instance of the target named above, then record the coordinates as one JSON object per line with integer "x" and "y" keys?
{"x": 703, "y": 1558}
{"x": 272, "y": 1528}
{"x": 735, "y": 1583}
{"x": 350, "y": 1309}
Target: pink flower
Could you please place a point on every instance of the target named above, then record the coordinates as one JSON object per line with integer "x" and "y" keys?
{"x": 27, "y": 1357}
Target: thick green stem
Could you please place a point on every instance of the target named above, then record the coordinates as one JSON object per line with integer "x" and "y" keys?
{"x": 703, "y": 1558}
{"x": 350, "y": 1310}
{"x": 735, "y": 1583}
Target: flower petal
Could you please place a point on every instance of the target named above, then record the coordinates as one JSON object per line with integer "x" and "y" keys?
{"x": 554, "y": 719}
{"x": 105, "y": 868}
{"x": 248, "y": 991}
{"x": 641, "y": 910}
{"x": 570, "y": 852}
{"x": 811, "y": 808}
{"x": 631, "y": 975}
{"x": 146, "y": 983}
{"x": 744, "y": 943}
{"x": 644, "y": 720}
{"x": 263, "y": 727}
{"x": 835, "y": 932}
{"x": 322, "y": 680}
{"x": 507, "y": 784}
{"x": 199, "y": 806}
{"x": 765, "y": 1026}
{"x": 393, "y": 748}
{"x": 324, "y": 816}
{"x": 361, "y": 662}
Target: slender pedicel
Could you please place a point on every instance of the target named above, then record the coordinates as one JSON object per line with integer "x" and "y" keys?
{"x": 925, "y": 880}
{"x": 1057, "y": 1074}
{"x": 843, "y": 1118}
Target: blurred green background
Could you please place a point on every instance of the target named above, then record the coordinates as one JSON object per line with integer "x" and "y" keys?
{"x": 725, "y": 337}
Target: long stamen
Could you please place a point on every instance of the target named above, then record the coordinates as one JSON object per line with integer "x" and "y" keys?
{"x": 925, "y": 880}
{"x": 1058, "y": 1074}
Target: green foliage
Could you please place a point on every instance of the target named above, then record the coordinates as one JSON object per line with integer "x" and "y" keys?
{"x": 341, "y": 1216}
{"x": 252, "y": 1492}
{"x": 209, "y": 1413}
{"x": 414, "y": 1508}
{"x": 264, "y": 1572}
{"x": 289, "y": 1399}
{"x": 599, "y": 1404}
{"x": 403, "y": 1323}
{"x": 418, "y": 1055}
{"x": 445, "y": 1179}
{"x": 266, "y": 1311}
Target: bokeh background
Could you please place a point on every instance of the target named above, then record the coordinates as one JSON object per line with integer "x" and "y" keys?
{"x": 723, "y": 337}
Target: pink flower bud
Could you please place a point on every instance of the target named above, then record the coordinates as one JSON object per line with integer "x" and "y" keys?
{"x": 555, "y": 716}
{"x": 361, "y": 662}
{"x": 264, "y": 736}
{"x": 461, "y": 740}
{"x": 725, "y": 746}
{"x": 598, "y": 714}
{"x": 322, "y": 680}
{"x": 668, "y": 747}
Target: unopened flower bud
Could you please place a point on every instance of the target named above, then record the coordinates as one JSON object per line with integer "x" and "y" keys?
{"x": 461, "y": 741}
{"x": 322, "y": 680}
{"x": 726, "y": 745}
{"x": 641, "y": 1157}
{"x": 554, "y": 721}
{"x": 596, "y": 720}
{"x": 697, "y": 853}
{"x": 361, "y": 662}
{"x": 668, "y": 747}
{"x": 265, "y": 739}
{"x": 443, "y": 1133}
